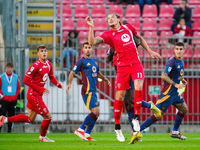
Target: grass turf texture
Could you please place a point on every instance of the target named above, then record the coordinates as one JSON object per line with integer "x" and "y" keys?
{"x": 155, "y": 141}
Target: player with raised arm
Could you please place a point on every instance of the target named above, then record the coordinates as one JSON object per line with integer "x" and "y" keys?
{"x": 128, "y": 65}
{"x": 89, "y": 70}
{"x": 36, "y": 78}
{"x": 172, "y": 75}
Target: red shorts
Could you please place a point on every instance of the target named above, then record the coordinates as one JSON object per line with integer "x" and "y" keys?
{"x": 36, "y": 104}
{"x": 125, "y": 73}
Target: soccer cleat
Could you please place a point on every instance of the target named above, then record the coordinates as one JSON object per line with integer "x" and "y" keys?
{"x": 139, "y": 140}
{"x": 155, "y": 110}
{"x": 179, "y": 136}
{"x": 2, "y": 120}
{"x": 45, "y": 139}
{"x": 136, "y": 125}
{"x": 135, "y": 138}
{"x": 119, "y": 135}
{"x": 80, "y": 134}
{"x": 90, "y": 139}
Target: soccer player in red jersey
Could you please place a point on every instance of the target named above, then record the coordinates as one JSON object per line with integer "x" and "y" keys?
{"x": 128, "y": 65}
{"x": 36, "y": 78}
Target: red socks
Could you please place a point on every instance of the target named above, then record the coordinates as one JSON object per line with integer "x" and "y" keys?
{"x": 138, "y": 101}
{"x": 44, "y": 126}
{"x": 19, "y": 118}
{"x": 117, "y": 110}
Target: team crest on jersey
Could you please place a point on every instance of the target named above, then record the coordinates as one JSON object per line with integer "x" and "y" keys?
{"x": 45, "y": 77}
{"x": 88, "y": 64}
{"x": 181, "y": 72}
{"x": 96, "y": 63}
{"x": 94, "y": 69}
{"x": 44, "y": 66}
{"x": 32, "y": 68}
{"x": 125, "y": 37}
{"x": 169, "y": 69}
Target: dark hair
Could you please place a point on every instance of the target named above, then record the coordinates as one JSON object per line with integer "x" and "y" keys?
{"x": 181, "y": 19}
{"x": 9, "y": 64}
{"x": 75, "y": 33}
{"x": 42, "y": 46}
{"x": 179, "y": 44}
{"x": 125, "y": 22}
{"x": 85, "y": 43}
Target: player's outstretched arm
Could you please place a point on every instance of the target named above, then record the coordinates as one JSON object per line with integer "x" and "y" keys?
{"x": 91, "y": 39}
{"x": 71, "y": 76}
{"x": 151, "y": 53}
{"x": 101, "y": 76}
{"x": 166, "y": 78}
{"x": 55, "y": 82}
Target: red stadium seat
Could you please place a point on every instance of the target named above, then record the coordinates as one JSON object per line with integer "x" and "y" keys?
{"x": 176, "y": 2}
{"x": 81, "y": 11}
{"x": 64, "y": 2}
{"x": 151, "y": 38}
{"x": 194, "y": 2}
{"x": 65, "y": 34}
{"x": 83, "y": 37}
{"x": 196, "y": 40}
{"x": 132, "y": 11}
{"x": 188, "y": 53}
{"x": 102, "y": 51}
{"x": 98, "y": 11}
{"x": 196, "y": 54}
{"x": 149, "y": 24}
{"x": 165, "y": 24}
{"x": 196, "y": 12}
{"x": 141, "y": 52}
{"x": 196, "y": 25}
{"x": 164, "y": 36}
{"x": 135, "y": 22}
{"x": 167, "y": 53}
{"x": 98, "y": 33}
{"x": 109, "y": 3}
{"x": 79, "y": 2}
{"x": 100, "y": 24}
{"x": 146, "y": 55}
{"x": 166, "y": 11}
{"x": 96, "y": 2}
{"x": 67, "y": 11}
{"x": 149, "y": 11}
{"x": 116, "y": 9}
{"x": 82, "y": 25}
{"x": 68, "y": 24}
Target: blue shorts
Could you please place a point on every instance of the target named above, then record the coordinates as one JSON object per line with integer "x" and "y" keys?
{"x": 165, "y": 101}
{"x": 90, "y": 100}
{"x": 131, "y": 86}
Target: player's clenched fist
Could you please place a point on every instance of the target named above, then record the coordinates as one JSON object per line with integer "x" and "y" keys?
{"x": 89, "y": 21}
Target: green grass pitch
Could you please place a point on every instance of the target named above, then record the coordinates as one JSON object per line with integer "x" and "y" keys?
{"x": 105, "y": 141}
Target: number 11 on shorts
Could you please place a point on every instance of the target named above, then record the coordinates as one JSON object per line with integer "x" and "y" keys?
{"x": 139, "y": 75}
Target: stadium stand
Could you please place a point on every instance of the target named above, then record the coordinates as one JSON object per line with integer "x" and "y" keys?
{"x": 149, "y": 11}
{"x": 196, "y": 25}
{"x": 148, "y": 37}
{"x": 196, "y": 35}
{"x": 68, "y": 24}
{"x": 194, "y": 2}
{"x": 98, "y": 11}
{"x": 176, "y": 2}
{"x": 196, "y": 12}
{"x": 81, "y": 11}
{"x": 100, "y": 24}
{"x": 65, "y": 33}
{"x": 132, "y": 11}
{"x": 81, "y": 25}
{"x": 116, "y": 9}
{"x": 96, "y": 2}
{"x": 165, "y": 24}
{"x": 135, "y": 22}
{"x": 163, "y": 36}
{"x": 83, "y": 37}
{"x": 67, "y": 11}
{"x": 63, "y": 1}
{"x": 166, "y": 11}
{"x": 149, "y": 24}
{"x": 79, "y": 2}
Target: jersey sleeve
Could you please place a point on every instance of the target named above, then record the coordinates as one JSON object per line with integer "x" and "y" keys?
{"x": 170, "y": 64}
{"x": 132, "y": 28}
{"x": 77, "y": 66}
{"x": 51, "y": 70}
{"x": 31, "y": 71}
{"x": 106, "y": 39}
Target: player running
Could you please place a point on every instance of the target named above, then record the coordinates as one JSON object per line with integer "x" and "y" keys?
{"x": 36, "y": 78}
{"x": 89, "y": 70}
{"x": 128, "y": 65}
{"x": 172, "y": 75}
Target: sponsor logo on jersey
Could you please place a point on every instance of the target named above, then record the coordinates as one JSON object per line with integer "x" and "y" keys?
{"x": 120, "y": 30}
{"x": 29, "y": 73}
{"x": 169, "y": 69}
{"x": 74, "y": 67}
{"x": 32, "y": 68}
{"x": 94, "y": 69}
{"x": 181, "y": 72}
{"x": 116, "y": 110}
{"x": 44, "y": 66}
{"x": 125, "y": 37}
{"x": 88, "y": 64}
{"x": 45, "y": 77}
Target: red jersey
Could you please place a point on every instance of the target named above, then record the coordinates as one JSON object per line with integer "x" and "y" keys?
{"x": 125, "y": 48}
{"x": 39, "y": 73}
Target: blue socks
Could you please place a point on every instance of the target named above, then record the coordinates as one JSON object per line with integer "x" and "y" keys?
{"x": 89, "y": 122}
{"x": 178, "y": 120}
{"x": 148, "y": 122}
{"x": 130, "y": 117}
{"x": 146, "y": 104}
